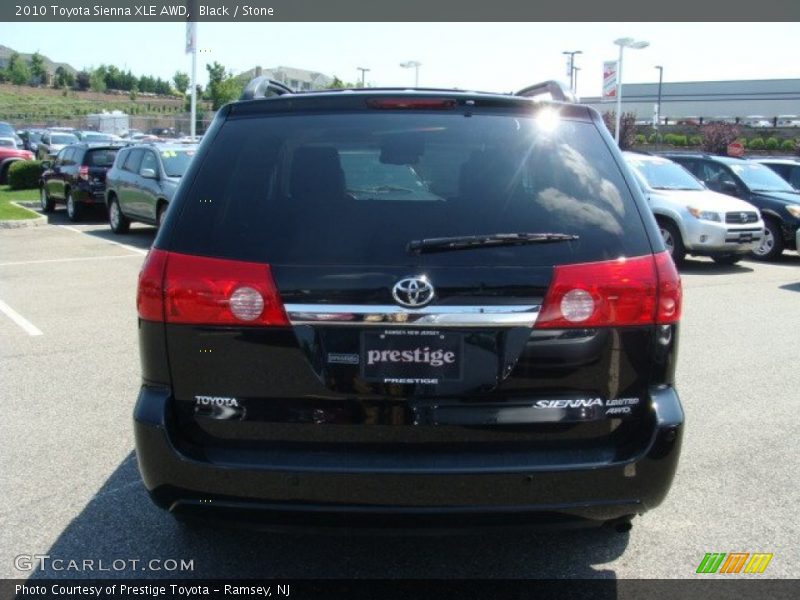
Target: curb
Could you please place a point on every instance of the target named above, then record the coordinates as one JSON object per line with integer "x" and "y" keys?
{"x": 20, "y": 223}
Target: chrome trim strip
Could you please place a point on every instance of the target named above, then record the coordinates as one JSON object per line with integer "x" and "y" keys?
{"x": 381, "y": 315}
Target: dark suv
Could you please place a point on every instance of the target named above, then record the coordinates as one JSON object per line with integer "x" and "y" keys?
{"x": 757, "y": 184}
{"x": 77, "y": 177}
{"x": 385, "y": 307}
{"x": 142, "y": 182}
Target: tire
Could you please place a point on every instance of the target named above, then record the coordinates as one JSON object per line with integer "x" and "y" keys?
{"x": 74, "y": 209}
{"x": 728, "y": 259}
{"x": 119, "y": 222}
{"x": 772, "y": 243}
{"x": 672, "y": 240}
{"x": 48, "y": 204}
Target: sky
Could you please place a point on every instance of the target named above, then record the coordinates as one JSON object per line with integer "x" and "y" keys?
{"x": 479, "y": 56}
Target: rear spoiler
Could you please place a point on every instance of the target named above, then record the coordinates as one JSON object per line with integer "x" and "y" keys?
{"x": 264, "y": 87}
{"x": 557, "y": 91}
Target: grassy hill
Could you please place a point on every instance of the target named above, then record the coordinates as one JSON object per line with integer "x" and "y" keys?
{"x": 25, "y": 104}
{"x": 50, "y": 65}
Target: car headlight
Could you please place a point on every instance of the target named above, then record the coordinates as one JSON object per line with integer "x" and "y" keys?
{"x": 704, "y": 215}
{"x": 794, "y": 210}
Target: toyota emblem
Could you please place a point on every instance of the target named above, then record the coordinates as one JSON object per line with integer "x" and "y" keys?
{"x": 413, "y": 292}
{"x": 743, "y": 217}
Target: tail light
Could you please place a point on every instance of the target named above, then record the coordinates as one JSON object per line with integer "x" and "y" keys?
{"x": 628, "y": 291}
{"x": 180, "y": 288}
{"x": 83, "y": 173}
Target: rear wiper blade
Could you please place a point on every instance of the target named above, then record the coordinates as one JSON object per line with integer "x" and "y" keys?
{"x": 465, "y": 242}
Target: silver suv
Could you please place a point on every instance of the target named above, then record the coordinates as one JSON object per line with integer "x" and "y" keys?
{"x": 693, "y": 219}
{"x": 142, "y": 182}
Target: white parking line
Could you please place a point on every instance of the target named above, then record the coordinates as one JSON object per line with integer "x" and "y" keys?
{"x": 120, "y": 244}
{"x": 29, "y": 327}
{"x": 60, "y": 260}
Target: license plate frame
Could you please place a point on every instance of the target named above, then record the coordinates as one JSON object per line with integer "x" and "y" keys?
{"x": 426, "y": 348}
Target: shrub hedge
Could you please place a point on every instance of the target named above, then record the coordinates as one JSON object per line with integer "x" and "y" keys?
{"x": 25, "y": 174}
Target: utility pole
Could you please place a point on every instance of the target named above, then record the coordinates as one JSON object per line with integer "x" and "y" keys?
{"x": 571, "y": 68}
{"x": 658, "y": 102}
{"x": 363, "y": 70}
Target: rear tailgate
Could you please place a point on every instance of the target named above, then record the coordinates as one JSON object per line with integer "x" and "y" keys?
{"x": 330, "y": 203}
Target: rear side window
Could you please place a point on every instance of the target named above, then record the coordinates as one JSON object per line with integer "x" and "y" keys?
{"x": 100, "y": 158}
{"x": 356, "y": 188}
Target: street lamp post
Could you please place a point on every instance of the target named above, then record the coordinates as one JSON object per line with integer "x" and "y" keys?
{"x": 572, "y": 68}
{"x": 623, "y": 43}
{"x": 575, "y": 88}
{"x": 413, "y": 64}
{"x": 363, "y": 71}
{"x": 658, "y": 102}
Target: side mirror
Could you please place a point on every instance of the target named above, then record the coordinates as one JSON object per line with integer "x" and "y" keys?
{"x": 148, "y": 173}
{"x": 46, "y": 164}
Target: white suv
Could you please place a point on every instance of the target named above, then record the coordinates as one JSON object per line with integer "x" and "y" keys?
{"x": 693, "y": 219}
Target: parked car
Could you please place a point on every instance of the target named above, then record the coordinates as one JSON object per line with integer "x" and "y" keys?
{"x": 693, "y": 219}
{"x": 8, "y": 156}
{"x": 757, "y": 121}
{"x": 323, "y": 349}
{"x": 31, "y": 139}
{"x": 788, "y": 168}
{"x": 77, "y": 177}
{"x": 142, "y": 182}
{"x": 52, "y": 142}
{"x": 96, "y": 136}
{"x": 788, "y": 121}
{"x": 8, "y": 142}
{"x": 778, "y": 202}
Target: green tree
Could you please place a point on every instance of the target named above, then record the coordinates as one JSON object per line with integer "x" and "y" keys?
{"x": 63, "y": 78}
{"x": 18, "y": 72}
{"x": 97, "y": 80}
{"x": 222, "y": 86}
{"x": 181, "y": 81}
{"x": 83, "y": 80}
{"x": 38, "y": 70}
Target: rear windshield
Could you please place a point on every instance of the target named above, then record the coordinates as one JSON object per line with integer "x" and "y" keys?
{"x": 63, "y": 138}
{"x": 356, "y": 188}
{"x": 100, "y": 158}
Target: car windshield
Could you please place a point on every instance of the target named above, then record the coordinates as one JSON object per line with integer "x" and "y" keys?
{"x": 176, "y": 161}
{"x": 760, "y": 178}
{"x": 34, "y": 136}
{"x": 367, "y": 177}
{"x": 664, "y": 174}
{"x": 6, "y": 130}
{"x": 63, "y": 138}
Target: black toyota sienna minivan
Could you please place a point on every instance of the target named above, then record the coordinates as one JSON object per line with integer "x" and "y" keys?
{"x": 408, "y": 308}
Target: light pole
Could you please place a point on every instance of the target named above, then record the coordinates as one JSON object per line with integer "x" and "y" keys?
{"x": 575, "y": 90}
{"x": 363, "y": 70}
{"x": 624, "y": 43}
{"x": 413, "y": 64}
{"x": 658, "y": 102}
{"x": 572, "y": 68}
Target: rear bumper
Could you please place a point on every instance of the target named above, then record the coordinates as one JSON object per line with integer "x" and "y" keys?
{"x": 290, "y": 493}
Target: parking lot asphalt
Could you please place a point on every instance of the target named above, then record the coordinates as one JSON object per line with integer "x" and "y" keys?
{"x": 70, "y": 488}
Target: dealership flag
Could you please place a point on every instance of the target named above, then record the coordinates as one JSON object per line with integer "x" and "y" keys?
{"x": 609, "y": 80}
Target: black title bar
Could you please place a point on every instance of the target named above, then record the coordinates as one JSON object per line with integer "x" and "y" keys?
{"x": 403, "y": 10}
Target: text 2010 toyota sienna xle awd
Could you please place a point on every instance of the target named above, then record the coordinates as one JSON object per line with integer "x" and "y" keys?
{"x": 383, "y": 307}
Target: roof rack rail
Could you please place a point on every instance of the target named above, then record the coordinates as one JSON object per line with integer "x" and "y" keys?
{"x": 557, "y": 90}
{"x": 264, "y": 87}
